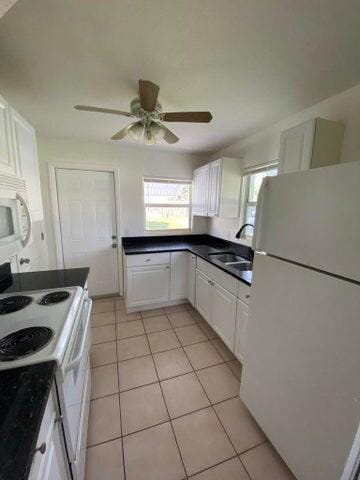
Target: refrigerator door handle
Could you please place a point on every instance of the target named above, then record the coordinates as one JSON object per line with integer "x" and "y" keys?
{"x": 259, "y": 216}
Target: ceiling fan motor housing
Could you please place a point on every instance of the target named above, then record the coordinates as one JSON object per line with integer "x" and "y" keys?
{"x": 137, "y": 110}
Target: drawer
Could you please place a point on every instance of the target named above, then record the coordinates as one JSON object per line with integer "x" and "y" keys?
{"x": 147, "y": 259}
{"x": 223, "y": 279}
{"x": 244, "y": 292}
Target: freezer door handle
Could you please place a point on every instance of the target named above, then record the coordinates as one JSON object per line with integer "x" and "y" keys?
{"x": 259, "y": 215}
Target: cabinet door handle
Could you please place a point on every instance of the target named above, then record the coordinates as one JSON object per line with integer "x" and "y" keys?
{"x": 41, "y": 448}
{"x": 24, "y": 260}
{"x": 148, "y": 260}
{"x": 167, "y": 266}
{"x": 247, "y": 295}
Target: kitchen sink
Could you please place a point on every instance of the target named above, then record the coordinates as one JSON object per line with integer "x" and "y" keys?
{"x": 230, "y": 259}
{"x": 241, "y": 267}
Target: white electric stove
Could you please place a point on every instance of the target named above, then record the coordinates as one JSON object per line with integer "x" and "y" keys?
{"x": 37, "y": 326}
{"x": 45, "y": 325}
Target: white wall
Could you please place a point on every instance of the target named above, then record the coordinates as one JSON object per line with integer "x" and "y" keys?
{"x": 133, "y": 163}
{"x": 263, "y": 146}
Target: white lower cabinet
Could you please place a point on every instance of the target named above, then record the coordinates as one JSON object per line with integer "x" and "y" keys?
{"x": 223, "y": 302}
{"x": 203, "y": 295}
{"x": 223, "y": 314}
{"x": 191, "y": 277}
{"x": 147, "y": 285}
{"x": 242, "y": 316}
{"x": 178, "y": 276}
{"x": 50, "y": 460}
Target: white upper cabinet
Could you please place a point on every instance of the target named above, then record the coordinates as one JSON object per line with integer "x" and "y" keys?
{"x": 27, "y": 160}
{"x": 216, "y": 189}
{"x": 312, "y": 144}
{"x": 7, "y": 158}
{"x": 200, "y": 191}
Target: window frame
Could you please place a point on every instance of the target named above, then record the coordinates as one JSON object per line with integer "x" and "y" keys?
{"x": 245, "y": 187}
{"x": 172, "y": 231}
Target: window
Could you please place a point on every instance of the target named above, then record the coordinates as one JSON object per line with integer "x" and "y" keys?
{"x": 167, "y": 204}
{"x": 251, "y": 185}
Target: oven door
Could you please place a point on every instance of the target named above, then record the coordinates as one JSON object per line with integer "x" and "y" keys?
{"x": 71, "y": 380}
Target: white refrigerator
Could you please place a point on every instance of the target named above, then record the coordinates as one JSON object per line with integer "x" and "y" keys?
{"x": 301, "y": 375}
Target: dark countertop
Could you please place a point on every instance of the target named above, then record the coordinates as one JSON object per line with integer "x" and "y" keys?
{"x": 44, "y": 280}
{"x": 201, "y": 245}
{"x": 24, "y": 393}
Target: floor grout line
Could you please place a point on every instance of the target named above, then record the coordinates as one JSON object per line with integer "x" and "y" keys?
{"x": 212, "y": 406}
{"x": 168, "y": 413}
{"x": 121, "y": 428}
{"x": 159, "y": 382}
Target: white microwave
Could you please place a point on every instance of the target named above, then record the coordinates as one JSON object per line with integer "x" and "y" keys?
{"x": 15, "y": 223}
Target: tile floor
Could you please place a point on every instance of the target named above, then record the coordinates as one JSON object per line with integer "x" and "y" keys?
{"x": 165, "y": 401}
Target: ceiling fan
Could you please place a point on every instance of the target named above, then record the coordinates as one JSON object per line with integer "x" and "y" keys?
{"x": 146, "y": 108}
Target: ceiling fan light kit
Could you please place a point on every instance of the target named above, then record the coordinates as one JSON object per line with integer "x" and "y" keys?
{"x": 148, "y": 110}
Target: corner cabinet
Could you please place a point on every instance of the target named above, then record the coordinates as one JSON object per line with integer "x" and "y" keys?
{"x": 178, "y": 275}
{"x": 312, "y": 144}
{"x": 216, "y": 189}
{"x": 191, "y": 277}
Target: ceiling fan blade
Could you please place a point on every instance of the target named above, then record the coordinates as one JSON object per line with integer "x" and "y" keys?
{"x": 195, "y": 117}
{"x": 169, "y": 136}
{"x": 148, "y": 92}
{"x": 102, "y": 110}
{"x": 123, "y": 132}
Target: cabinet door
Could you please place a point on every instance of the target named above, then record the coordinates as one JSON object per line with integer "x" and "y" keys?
{"x": 7, "y": 158}
{"x": 148, "y": 285}
{"x": 200, "y": 191}
{"x": 178, "y": 287}
{"x": 27, "y": 160}
{"x": 203, "y": 295}
{"x": 296, "y": 147}
{"x": 242, "y": 315}
{"x": 214, "y": 188}
{"x": 191, "y": 277}
{"x": 223, "y": 314}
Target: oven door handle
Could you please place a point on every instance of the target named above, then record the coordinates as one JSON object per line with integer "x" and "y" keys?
{"x": 75, "y": 361}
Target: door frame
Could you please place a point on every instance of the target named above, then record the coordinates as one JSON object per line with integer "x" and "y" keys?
{"x": 55, "y": 215}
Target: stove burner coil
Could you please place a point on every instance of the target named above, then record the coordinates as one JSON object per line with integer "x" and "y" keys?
{"x": 54, "y": 297}
{"x": 14, "y": 303}
{"x": 24, "y": 342}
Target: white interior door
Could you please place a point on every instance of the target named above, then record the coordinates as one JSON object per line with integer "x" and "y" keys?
{"x": 88, "y": 223}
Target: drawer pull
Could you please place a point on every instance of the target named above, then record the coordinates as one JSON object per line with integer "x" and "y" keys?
{"x": 148, "y": 260}
{"x": 247, "y": 296}
{"x": 41, "y": 449}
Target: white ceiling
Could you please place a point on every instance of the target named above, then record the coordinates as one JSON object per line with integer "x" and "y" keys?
{"x": 250, "y": 62}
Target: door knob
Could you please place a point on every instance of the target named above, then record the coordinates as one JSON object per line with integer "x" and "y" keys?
{"x": 114, "y": 245}
{"x": 113, "y": 237}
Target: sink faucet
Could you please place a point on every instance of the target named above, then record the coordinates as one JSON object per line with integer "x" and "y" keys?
{"x": 243, "y": 228}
